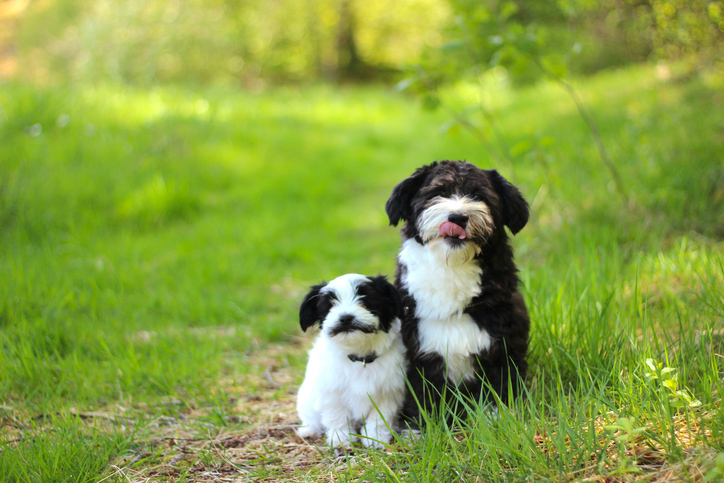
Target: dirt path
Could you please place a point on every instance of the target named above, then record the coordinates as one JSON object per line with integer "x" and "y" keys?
{"x": 252, "y": 440}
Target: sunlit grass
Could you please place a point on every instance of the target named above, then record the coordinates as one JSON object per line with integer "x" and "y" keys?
{"x": 152, "y": 241}
{"x": 68, "y": 452}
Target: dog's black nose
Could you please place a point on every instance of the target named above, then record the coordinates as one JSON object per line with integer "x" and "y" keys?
{"x": 346, "y": 319}
{"x": 459, "y": 219}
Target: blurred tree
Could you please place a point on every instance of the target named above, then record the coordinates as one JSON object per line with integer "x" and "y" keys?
{"x": 244, "y": 41}
{"x": 635, "y": 30}
{"x": 250, "y": 42}
{"x": 349, "y": 63}
{"x": 578, "y": 36}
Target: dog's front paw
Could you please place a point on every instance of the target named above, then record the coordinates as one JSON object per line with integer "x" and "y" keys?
{"x": 414, "y": 435}
{"x": 374, "y": 443}
{"x": 305, "y": 432}
{"x": 339, "y": 439}
{"x": 376, "y": 439}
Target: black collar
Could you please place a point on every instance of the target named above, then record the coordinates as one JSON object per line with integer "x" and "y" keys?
{"x": 368, "y": 359}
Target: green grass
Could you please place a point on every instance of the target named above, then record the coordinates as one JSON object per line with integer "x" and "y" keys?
{"x": 67, "y": 453}
{"x": 153, "y": 241}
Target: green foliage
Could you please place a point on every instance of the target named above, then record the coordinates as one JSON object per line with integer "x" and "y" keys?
{"x": 249, "y": 43}
{"x": 510, "y": 41}
{"x": 243, "y": 43}
{"x": 672, "y": 28}
{"x": 252, "y": 42}
{"x": 533, "y": 39}
{"x": 626, "y": 428}
{"x": 625, "y": 432}
{"x": 667, "y": 378}
{"x": 717, "y": 472}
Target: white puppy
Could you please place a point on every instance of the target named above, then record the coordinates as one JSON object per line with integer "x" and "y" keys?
{"x": 355, "y": 379}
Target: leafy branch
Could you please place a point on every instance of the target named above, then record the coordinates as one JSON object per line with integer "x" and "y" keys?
{"x": 492, "y": 37}
{"x": 592, "y": 128}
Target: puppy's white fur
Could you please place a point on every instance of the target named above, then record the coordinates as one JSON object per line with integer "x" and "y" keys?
{"x": 338, "y": 396}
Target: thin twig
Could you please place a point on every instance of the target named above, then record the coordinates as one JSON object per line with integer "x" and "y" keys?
{"x": 603, "y": 153}
{"x": 503, "y": 147}
{"x": 174, "y": 461}
{"x": 118, "y": 470}
{"x": 590, "y": 123}
{"x": 464, "y": 122}
{"x": 268, "y": 377}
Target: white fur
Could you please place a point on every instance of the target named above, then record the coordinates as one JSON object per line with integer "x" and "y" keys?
{"x": 442, "y": 291}
{"x": 338, "y": 395}
{"x": 456, "y": 339}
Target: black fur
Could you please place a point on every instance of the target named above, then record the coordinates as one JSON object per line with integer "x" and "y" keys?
{"x": 381, "y": 298}
{"x": 399, "y": 206}
{"x": 498, "y": 308}
{"x": 515, "y": 208}
{"x": 314, "y": 308}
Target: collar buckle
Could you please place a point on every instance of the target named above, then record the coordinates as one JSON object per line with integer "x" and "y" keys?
{"x": 368, "y": 359}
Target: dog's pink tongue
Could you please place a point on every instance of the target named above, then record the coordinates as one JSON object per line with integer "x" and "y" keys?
{"x": 450, "y": 229}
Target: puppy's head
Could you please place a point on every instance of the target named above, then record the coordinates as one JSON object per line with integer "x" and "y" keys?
{"x": 351, "y": 306}
{"x": 456, "y": 207}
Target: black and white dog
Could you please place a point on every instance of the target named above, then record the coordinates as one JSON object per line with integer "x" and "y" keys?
{"x": 465, "y": 325}
{"x": 355, "y": 379}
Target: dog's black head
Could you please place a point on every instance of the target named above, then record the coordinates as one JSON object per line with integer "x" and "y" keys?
{"x": 351, "y": 303}
{"x": 456, "y": 201}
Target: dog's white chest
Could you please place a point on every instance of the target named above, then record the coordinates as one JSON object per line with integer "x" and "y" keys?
{"x": 457, "y": 340}
{"x": 440, "y": 290}
{"x": 441, "y": 293}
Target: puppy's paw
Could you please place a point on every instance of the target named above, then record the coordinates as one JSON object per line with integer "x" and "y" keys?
{"x": 339, "y": 439}
{"x": 341, "y": 453}
{"x": 305, "y": 432}
{"x": 413, "y": 435}
{"x": 493, "y": 413}
{"x": 377, "y": 442}
{"x": 375, "y": 436}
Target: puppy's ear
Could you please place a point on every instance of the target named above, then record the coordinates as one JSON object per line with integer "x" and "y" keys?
{"x": 399, "y": 205}
{"x": 309, "y": 313}
{"x": 515, "y": 208}
{"x": 390, "y": 294}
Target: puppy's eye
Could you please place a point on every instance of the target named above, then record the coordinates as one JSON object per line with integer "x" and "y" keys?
{"x": 474, "y": 197}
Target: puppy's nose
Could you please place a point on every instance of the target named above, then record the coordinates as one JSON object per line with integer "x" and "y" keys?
{"x": 346, "y": 319}
{"x": 460, "y": 219}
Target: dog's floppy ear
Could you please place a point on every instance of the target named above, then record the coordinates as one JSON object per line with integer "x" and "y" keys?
{"x": 309, "y": 310}
{"x": 399, "y": 205}
{"x": 515, "y": 208}
{"x": 389, "y": 292}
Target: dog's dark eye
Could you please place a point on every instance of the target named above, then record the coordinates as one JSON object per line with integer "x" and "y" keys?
{"x": 474, "y": 197}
